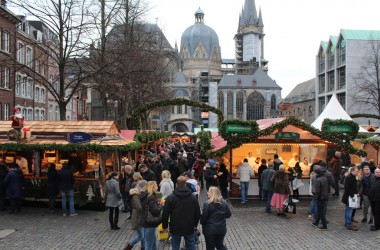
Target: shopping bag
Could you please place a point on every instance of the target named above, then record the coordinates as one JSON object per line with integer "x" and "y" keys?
{"x": 297, "y": 183}
{"x": 162, "y": 234}
{"x": 354, "y": 202}
{"x": 286, "y": 202}
{"x": 291, "y": 208}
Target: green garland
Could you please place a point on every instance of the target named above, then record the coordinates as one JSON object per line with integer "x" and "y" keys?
{"x": 371, "y": 141}
{"x": 135, "y": 118}
{"x": 336, "y": 139}
{"x": 17, "y": 147}
{"x": 347, "y": 137}
{"x": 205, "y": 141}
{"x": 365, "y": 116}
{"x": 145, "y": 137}
{"x": 242, "y": 137}
{"x": 184, "y": 120}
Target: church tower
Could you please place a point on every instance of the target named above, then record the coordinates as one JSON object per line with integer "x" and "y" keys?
{"x": 249, "y": 40}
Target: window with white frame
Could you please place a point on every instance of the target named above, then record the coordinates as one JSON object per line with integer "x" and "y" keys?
{"x": 20, "y": 53}
{"x": 18, "y": 85}
{"x": 6, "y": 78}
{"x": 29, "y": 89}
{"x": 23, "y": 87}
{"x": 29, "y": 57}
{"x": 51, "y": 112}
{"x": 42, "y": 115}
{"x": 43, "y": 70}
{"x": 36, "y": 114}
{"x": 42, "y": 95}
{"x": 23, "y": 112}
{"x": 37, "y": 94}
{"x": 37, "y": 69}
{"x": 56, "y": 113}
{"x": 6, "y": 46}
{"x": 30, "y": 114}
{"x": 6, "y": 111}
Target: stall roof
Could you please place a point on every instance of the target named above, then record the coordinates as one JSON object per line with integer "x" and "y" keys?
{"x": 98, "y": 128}
{"x": 333, "y": 111}
{"x": 130, "y": 134}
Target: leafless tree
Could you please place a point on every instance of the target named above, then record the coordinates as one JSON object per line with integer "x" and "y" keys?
{"x": 367, "y": 81}
{"x": 68, "y": 20}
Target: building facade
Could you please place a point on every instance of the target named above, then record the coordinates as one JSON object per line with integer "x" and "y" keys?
{"x": 339, "y": 70}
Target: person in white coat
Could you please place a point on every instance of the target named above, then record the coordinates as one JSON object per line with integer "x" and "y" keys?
{"x": 245, "y": 173}
{"x": 166, "y": 185}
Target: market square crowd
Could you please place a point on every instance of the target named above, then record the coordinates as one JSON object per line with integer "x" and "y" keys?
{"x": 162, "y": 189}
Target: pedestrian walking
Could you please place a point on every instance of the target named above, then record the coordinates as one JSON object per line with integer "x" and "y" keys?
{"x": 266, "y": 180}
{"x": 281, "y": 190}
{"x": 126, "y": 184}
{"x": 374, "y": 197}
{"x": 223, "y": 178}
{"x": 322, "y": 194}
{"x": 166, "y": 185}
{"x": 150, "y": 209}
{"x": 245, "y": 172}
{"x": 350, "y": 189}
{"x": 260, "y": 171}
{"x": 136, "y": 215}
{"x": 183, "y": 209}
{"x": 211, "y": 174}
{"x": 66, "y": 183}
{"x": 52, "y": 185}
{"x": 113, "y": 198}
{"x": 213, "y": 220}
{"x": 14, "y": 183}
{"x": 366, "y": 185}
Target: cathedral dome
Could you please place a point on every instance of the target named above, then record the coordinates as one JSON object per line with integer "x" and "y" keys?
{"x": 200, "y": 37}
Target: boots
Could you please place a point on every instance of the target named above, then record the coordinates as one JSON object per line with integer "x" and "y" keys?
{"x": 128, "y": 247}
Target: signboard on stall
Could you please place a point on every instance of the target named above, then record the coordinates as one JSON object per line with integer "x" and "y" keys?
{"x": 341, "y": 128}
{"x": 78, "y": 137}
{"x": 287, "y": 136}
{"x": 238, "y": 128}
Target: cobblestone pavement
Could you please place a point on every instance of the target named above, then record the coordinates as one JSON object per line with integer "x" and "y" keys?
{"x": 248, "y": 228}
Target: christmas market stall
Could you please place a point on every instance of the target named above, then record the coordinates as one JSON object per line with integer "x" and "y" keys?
{"x": 283, "y": 137}
{"x": 94, "y": 146}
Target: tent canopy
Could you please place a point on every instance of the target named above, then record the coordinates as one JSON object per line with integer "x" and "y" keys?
{"x": 333, "y": 111}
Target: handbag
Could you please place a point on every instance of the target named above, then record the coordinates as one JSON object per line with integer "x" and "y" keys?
{"x": 120, "y": 204}
{"x": 354, "y": 202}
{"x": 297, "y": 183}
{"x": 151, "y": 219}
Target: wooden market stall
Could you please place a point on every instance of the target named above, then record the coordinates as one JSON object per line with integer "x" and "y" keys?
{"x": 96, "y": 144}
{"x": 284, "y": 137}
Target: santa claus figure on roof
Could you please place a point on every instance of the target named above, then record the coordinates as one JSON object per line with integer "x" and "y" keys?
{"x": 17, "y": 120}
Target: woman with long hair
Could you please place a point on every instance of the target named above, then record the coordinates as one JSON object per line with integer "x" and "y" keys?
{"x": 150, "y": 205}
{"x": 166, "y": 185}
{"x": 213, "y": 220}
{"x": 281, "y": 190}
{"x": 113, "y": 198}
{"x": 136, "y": 215}
{"x": 52, "y": 185}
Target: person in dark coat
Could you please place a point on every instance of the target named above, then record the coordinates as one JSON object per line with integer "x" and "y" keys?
{"x": 198, "y": 169}
{"x": 214, "y": 214}
{"x": 174, "y": 171}
{"x": 126, "y": 184}
{"x": 146, "y": 173}
{"x": 66, "y": 183}
{"x": 156, "y": 167}
{"x": 223, "y": 180}
{"x": 166, "y": 161}
{"x": 149, "y": 204}
{"x": 260, "y": 171}
{"x": 75, "y": 163}
{"x": 14, "y": 183}
{"x": 350, "y": 188}
{"x": 52, "y": 185}
{"x": 374, "y": 197}
{"x": 183, "y": 209}
{"x": 3, "y": 173}
{"x": 322, "y": 194}
{"x": 211, "y": 176}
{"x": 182, "y": 164}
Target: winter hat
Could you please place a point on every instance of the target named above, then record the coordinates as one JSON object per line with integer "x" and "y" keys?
{"x": 212, "y": 162}
{"x": 142, "y": 184}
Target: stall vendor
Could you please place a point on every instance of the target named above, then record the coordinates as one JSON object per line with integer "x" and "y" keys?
{"x": 292, "y": 162}
{"x": 305, "y": 166}
{"x": 75, "y": 163}
{"x": 23, "y": 164}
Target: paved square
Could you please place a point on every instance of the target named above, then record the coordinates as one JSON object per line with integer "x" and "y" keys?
{"x": 248, "y": 228}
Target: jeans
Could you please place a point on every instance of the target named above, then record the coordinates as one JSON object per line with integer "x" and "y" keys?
{"x": 126, "y": 201}
{"x": 296, "y": 194}
{"x": 139, "y": 237}
{"x": 244, "y": 190}
{"x": 268, "y": 194}
{"x": 366, "y": 206}
{"x": 150, "y": 238}
{"x": 321, "y": 215}
{"x": 336, "y": 184}
{"x": 313, "y": 206}
{"x": 189, "y": 242}
{"x": 348, "y": 216}
{"x": 71, "y": 201}
{"x": 215, "y": 241}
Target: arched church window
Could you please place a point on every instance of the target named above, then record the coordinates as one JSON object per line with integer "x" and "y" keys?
{"x": 221, "y": 101}
{"x": 230, "y": 105}
{"x": 239, "y": 105}
{"x": 273, "y": 102}
{"x": 255, "y": 106}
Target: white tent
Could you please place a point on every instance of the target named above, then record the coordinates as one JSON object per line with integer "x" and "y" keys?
{"x": 333, "y": 111}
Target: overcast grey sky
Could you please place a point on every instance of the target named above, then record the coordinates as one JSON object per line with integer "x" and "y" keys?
{"x": 293, "y": 28}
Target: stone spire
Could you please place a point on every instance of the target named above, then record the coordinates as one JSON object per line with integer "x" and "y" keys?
{"x": 249, "y": 13}
{"x": 261, "y": 24}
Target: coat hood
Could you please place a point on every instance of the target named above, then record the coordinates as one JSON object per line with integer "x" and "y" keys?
{"x": 182, "y": 192}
